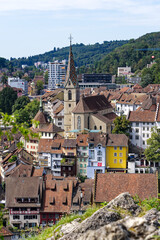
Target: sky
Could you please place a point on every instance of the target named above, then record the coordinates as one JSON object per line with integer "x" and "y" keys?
{"x": 30, "y": 27}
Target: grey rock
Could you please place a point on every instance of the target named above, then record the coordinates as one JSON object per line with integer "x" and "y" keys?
{"x": 66, "y": 228}
{"x": 100, "y": 218}
{"x": 126, "y": 202}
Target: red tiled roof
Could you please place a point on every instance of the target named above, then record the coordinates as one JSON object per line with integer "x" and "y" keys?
{"x": 144, "y": 185}
{"x": 142, "y": 116}
{"x": 117, "y": 140}
{"x": 82, "y": 140}
{"x": 4, "y": 232}
{"x": 40, "y": 117}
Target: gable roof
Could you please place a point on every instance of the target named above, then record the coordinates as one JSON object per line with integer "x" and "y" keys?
{"x": 40, "y": 117}
{"x": 142, "y": 116}
{"x": 92, "y": 104}
{"x": 4, "y": 232}
{"x": 50, "y": 128}
{"x": 116, "y": 183}
{"x": 69, "y": 143}
{"x": 48, "y": 145}
{"x": 97, "y": 138}
{"x": 117, "y": 140}
{"x": 26, "y": 187}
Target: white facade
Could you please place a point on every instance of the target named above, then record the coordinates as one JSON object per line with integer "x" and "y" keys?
{"x": 56, "y": 74}
{"x": 96, "y": 160}
{"x": 125, "y": 108}
{"x": 140, "y": 132}
{"x": 18, "y": 83}
{"x": 82, "y": 160}
{"x": 123, "y": 71}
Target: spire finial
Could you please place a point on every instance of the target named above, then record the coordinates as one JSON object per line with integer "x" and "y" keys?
{"x": 70, "y": 38}
{"x": 41, "y": 106}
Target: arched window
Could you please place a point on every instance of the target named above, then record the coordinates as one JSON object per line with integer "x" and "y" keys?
{"x": 100, "y": 127}
{"x": 99, "y": 153}
{"x": 79, "y": 122}
{"x": 95, "y": 127}
{"x": 69, "y": 95}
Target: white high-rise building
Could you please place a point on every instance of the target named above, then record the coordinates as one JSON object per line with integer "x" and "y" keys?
{"x": 56, "y": 74}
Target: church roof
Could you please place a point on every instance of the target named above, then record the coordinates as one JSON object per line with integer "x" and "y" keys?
{"x": 50, "y": 128}
{"x": 92, "y": 104}
{"x": 71, "y": 72}
{"x": 40, "y": 117}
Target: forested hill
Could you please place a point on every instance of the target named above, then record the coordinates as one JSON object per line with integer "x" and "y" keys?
{"x": 83, "y": 54}
{"x": 129, "y": 55}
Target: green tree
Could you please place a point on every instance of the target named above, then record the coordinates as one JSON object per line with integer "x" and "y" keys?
{"x": 7, "y": 99}
{"x": 21, "y": 102}
{"x": 152, "y": 152}
{"x": 26, "y": 114}
{"x": 46, "y": 77}
{"x": 121, "y": 125}
{"x": 39, "y": 86}
{"x": 4, "y": 78}
{"x": 146, "y": 79}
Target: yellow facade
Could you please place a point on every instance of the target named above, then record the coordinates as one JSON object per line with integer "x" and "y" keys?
{"x": 116, "y": 157}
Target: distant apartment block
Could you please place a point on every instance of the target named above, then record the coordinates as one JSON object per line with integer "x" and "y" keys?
{"x": 56, "y": 74}
{"x": 124, "y": 71}
{"x": 19, "y": 83}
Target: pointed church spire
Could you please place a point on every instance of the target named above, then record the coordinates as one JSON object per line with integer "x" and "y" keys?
{"x": 71, "y": 72}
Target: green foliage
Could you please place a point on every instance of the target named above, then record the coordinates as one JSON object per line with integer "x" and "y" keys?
{"x": 26, "y": 114}
{"x": 20, "y": 103}
{"x": 120, "y": 80}
{"x": 4, "y": 78}
{"x": 12, "y": 159}
{"x": 81, "y": 178}
{"x": 121, "y": 125}
{"x": 152, "y": 152}
{"x": 39, "y": 86}
{"x": 46, "y": 77}
{"x": 7, "y": 99}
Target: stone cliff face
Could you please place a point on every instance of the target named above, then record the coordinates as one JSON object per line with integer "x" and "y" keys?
{"x": 117, "y": 221}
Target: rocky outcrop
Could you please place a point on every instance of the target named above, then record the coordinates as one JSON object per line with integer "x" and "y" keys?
{"x": 116, "y": 221}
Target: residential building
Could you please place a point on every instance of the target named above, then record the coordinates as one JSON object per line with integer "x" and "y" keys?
{"x": 96, "y": 154}
{"x": 6, "y": 234}
{"x": 50, "y": 154}
{"x": 19, "y": 83}
{"x": 116, "y": 153}
{"x": 57, "y": 198}
{"x": 110, "y": 185}
{"x": 69, "y": 160}
{"x": 82, "y": 154}
{"x": 56, "y": 74}
{"x": 124, "y": 71}
{"x": 24, "y": 201}
{"x": 142, "y": 121}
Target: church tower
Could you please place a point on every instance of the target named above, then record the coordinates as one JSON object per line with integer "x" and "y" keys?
{"x": 71, "y": 92}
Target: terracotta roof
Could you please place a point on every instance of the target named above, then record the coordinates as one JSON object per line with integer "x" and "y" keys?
{"x": 69, "y": 143}
{"x": 26, "y": 187}
{"x": 21, "y": 171}
{"x": 50, "y": 128}
{"x": 137, "y": 86}
{"x": 40, "y": 117}
{"x": 142, "y": 116}
{"x": 38, "y": 172}
{"x": 48, "y": 145}
{"x": 82, "y": 140}
{"x": 59, "y": 109}
{"x": 58, "y": 195}
{"x": 116, "y": 183}
{"x": 117, "y": 140}
{"x": 92, "y": 104}
{"x": 4, "y": 232}
{"x": 97, "y": 138}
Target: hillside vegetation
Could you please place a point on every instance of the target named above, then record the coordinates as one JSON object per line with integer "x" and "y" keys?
{"x": 129, "y": 55}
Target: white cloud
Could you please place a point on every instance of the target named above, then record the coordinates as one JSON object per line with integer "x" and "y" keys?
{"x": 130, "y": 6}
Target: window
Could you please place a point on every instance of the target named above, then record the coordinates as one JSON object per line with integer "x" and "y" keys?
{"x": 137, "y": 124}
{"x": 79, "y": 122}
{"x": 137, "y": 137}
{"x": 115, "y": 154}
{"x": 81, "y": 171}
{"x": 120, "y": 154}
{"x": 115, "y": 160}
{"x": 143, "y": 135}
{"x": 69, "y": 105}
{"x": 143, "y": 128}
{"x": 81, "y": 165}
{"x": 147, "y": 128}
{"x": 85, "y": 165}
{"x": 121, "y": 161}
{"x": 152, "y": 123}
{"x": 120, "y": 148}
{"x": 147, "y": 135}
{"x": 130, "y": 136}
{"x": 115, "y": 148}
{"x": 99, "y": 159}
{"x": 137, "y": 130}
{"x": 69, "y": 95}
{"x": 100, "y": 127}
{"x": 143, "y": 142}
{"x": 147, "y": 123}
{"x": 16, "y": 217}
{"x": 95, "y": 127}
{"x": 99, "y": 152}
